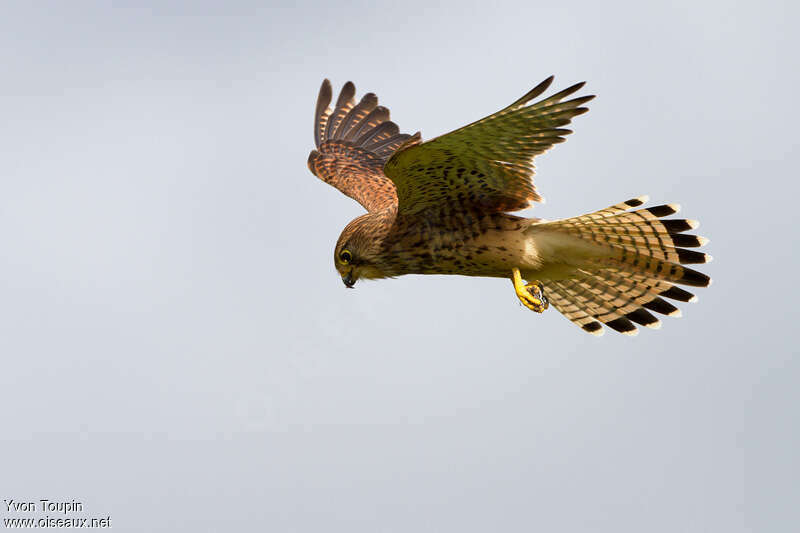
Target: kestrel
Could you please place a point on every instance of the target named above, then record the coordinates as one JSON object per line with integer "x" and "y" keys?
{"x": 442, "y": 207}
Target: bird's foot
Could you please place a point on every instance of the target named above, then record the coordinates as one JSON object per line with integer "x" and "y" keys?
{"x": 531, "y": 295}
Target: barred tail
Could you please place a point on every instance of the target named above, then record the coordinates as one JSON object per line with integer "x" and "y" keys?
{"x": 637, "y": 260}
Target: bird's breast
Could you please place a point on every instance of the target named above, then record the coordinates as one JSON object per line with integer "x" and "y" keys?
{"x": 467, "y": 245}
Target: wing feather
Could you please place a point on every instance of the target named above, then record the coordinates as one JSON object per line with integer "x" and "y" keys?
{"x": 375, "y": 117}
{"x": 322, "y": 112}
{"x": 353, "y": 143}
{"x": 486, "y": 165}
{"x": 368, "y": 102}
{"x": 377, "y": 135}
{"x": 344, "y": 104}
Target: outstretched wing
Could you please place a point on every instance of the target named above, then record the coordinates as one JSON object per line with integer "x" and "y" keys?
{"x": 487, "y": 165}
{"x": 353, "y": 143}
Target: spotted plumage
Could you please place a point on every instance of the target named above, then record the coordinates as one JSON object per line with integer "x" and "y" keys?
{"x": 442, "y": 207}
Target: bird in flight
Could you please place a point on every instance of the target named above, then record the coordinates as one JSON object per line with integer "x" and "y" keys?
{"x": 443, "y": 207}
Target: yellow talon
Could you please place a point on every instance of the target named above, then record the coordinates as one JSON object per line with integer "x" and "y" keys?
{"x": 531, "y": 295}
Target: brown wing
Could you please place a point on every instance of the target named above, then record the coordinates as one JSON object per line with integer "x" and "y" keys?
{"x": 353, "y": 144}
{"x": 487, "y": 165}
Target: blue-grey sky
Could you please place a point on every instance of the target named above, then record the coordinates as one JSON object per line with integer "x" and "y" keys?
{"x": 178, "y": 352}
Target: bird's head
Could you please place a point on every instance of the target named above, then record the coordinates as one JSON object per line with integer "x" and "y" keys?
{"x": 358, "y": 251}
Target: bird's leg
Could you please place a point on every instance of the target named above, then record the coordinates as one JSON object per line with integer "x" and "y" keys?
{"x": 531, "y": 295}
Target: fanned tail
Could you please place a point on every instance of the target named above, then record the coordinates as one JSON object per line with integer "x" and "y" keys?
{"x": 637, "y": 259}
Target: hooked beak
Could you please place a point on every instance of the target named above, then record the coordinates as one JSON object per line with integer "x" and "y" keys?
{"x": 348, "y": 280}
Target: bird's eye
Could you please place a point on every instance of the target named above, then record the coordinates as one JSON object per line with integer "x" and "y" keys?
{"x": 345, "y": 256}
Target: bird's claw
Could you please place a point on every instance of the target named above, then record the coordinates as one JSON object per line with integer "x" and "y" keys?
{"x": 536, "y": 300}
{"x": 531, "y": 295}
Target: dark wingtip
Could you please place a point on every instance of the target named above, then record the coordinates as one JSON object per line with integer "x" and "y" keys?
{"x": 533, "y": 93}
{"x": 349, "y": 87}
{"x": 325, "y": 91}
{"x": 541, "y": 87}
{"x": 571, "y": 90}
{"x": 346, "y": 94}
{"x": 578, "y": 86}
{"x": 323, "y": 100}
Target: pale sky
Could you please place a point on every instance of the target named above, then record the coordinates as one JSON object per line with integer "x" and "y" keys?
{"x": 179, "y": 353}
